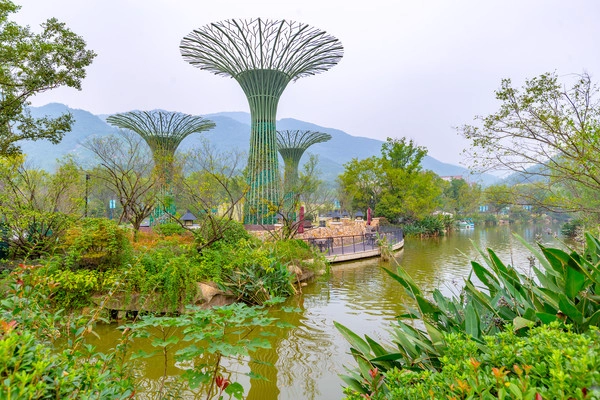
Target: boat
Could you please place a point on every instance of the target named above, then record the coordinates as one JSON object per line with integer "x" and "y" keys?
{"x": 466, "y": 224}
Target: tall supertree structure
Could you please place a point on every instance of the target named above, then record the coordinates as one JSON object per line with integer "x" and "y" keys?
{"x": 291, "y": 145}
{"x": 263, "y": 56}
{"x": 163, "y": 131}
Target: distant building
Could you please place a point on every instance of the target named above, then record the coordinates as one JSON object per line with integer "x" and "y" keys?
{"x": 449, "y": 178}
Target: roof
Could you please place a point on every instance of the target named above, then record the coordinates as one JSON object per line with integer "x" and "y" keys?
{"x": 188, "y": 216}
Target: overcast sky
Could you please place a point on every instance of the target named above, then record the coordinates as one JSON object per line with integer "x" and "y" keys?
{"x": 414, "y": 68}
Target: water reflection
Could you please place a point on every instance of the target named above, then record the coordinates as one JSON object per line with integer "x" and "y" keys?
{"x": 305, "y": 361}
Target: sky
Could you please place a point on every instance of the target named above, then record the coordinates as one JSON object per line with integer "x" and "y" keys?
{"x": 415, "y": 69}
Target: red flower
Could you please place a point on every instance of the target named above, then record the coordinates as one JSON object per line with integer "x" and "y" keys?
{"x": 8, "y": 326}
{"x": 373, "y": 372}
{"x": 221, "y": 382}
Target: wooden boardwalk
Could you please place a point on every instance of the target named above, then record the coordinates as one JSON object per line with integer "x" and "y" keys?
{"x": 347, "y": 248}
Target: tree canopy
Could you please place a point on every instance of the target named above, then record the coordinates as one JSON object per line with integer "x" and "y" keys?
{"x": 32, "y": 63}
{"x": 545, "y": 129}
{"x": 394, "y": 184}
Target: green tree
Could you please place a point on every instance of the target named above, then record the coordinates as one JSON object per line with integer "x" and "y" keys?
{"x": 460, "y": 197}
{"x": 498, "y": 197}
{"x": 545, "y": 130}
{"x": 32, "y": 63}
{"x": 37, "y": 207}
{"x": 361, "y": 181}
{"x": 410, "y": 193}
{"x": 394, "y": 185}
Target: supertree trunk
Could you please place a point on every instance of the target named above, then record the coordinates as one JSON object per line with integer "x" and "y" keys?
{"x": 263, "y": 89}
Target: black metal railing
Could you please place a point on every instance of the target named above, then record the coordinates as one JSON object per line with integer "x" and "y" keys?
{"x": 336, "y": 245}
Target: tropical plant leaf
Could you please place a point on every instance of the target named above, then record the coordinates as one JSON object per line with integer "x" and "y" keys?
{"x": 487, "y": 278}
{"x": 426, "y": 306}
{"x": 355, "y": 341}
{"x": 406, "y": 281}
{"x": 574, "y": 282}
{"x": 472, "y": 321}
{"x": 546, "y": 318}
{"x": 569, "y": 309}
{"x": 520, "y": 323}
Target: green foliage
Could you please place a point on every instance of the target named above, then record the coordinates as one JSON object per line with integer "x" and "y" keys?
{"x": 169, "y": 229}
{"x": 33, "y": 63}
{"x": 96, "y": 243}
{"x": 73, "y": 289}
{"x": 257, "y": 275}
{"x": 394, "y": 184}
{"x": 461, "y": 198}
{"x": 549, "y": 362}
{"x": 547, "y": 132}
{"x": 432, "y": 225}
{"x": 34, "y": 365}
{"x": 565, "y": 290}
{"x": 297, "y": 252}
{"x": 224, "y": 230}
{"x": 174, "y": 277}
{"x": 572, "y": 229}
{"x": 37, "y": 207}
{"x": 209, "y": 337}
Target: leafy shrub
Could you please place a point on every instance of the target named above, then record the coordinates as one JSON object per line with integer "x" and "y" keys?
{"x": 432, "y": 225}
{"x": 96, "y": 243}
{"x": 33, "y": 366}
{"x": 297, "y": 252}
{"x": 565, "y": 290}
{"x": 256, "y": 274}
{"x": 549, "y": 361}
{"x": 212, "y": 230}
{"x": 169, "y": 229}
{"x": 572, "y": 229}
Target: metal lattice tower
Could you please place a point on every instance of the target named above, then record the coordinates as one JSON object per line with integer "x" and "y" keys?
{"x": 263, "y": 56}
{"x": 291, "y": 145}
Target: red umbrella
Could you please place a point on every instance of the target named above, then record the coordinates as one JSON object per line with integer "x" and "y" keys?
{"x": 369, "y": 216}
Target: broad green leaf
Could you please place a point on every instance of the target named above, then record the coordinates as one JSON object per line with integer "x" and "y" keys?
{"x": 436, "y": 336}
{"x": 472, "y": 321}
{"x": 388, "y": 357}
{"x": 426, "y": 306}
{"x": 166, "y": 342}
{"x": 520, "y": 323}
{"x": 354, "y": 340}
{"x": 354, "y": 384}
{"x": 574, "y": 282}
{"x": 569, "y": 309}
{"x": 236, "y": 390}
{"x": 546, "y": 318}
{"x": 405, "y": 280}
{"x": 594, "y": 320}
{"x": 377, "y": 349}
{"x": 485, "y": 277}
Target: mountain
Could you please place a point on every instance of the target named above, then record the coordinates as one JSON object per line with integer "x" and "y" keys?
{"x": 232, "y": 131}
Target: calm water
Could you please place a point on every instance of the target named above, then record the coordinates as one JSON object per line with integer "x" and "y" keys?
{"x": 307, "y": 359}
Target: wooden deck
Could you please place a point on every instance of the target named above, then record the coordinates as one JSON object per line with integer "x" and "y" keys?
{"x": 348, "y": 248}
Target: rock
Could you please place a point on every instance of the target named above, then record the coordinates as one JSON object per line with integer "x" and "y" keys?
{"x": 294, "y": 269}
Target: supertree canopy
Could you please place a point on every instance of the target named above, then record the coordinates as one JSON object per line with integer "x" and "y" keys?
{"x": 163, "y": 131}
{"x": 291, "y": 145}
{"x": 263, "y": 56}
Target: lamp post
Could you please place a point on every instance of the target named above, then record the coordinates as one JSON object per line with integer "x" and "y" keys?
{"x": 87, "y": 186}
